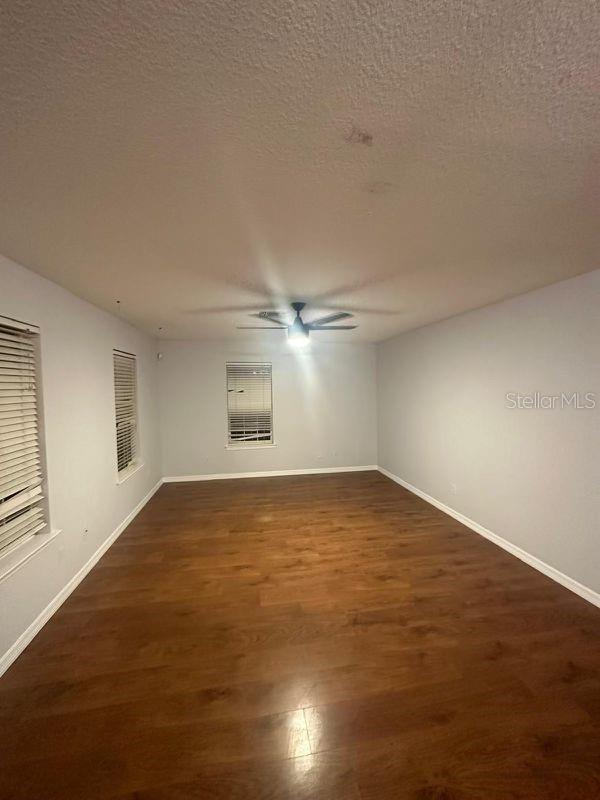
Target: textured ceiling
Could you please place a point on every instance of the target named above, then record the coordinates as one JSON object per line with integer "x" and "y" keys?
{"x": 409, "y": 160}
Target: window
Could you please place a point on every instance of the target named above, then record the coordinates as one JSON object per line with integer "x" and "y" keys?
{"x": 125, "y": 370}
{"x": 249, "y": 404}
{"x": 23, "y": 511}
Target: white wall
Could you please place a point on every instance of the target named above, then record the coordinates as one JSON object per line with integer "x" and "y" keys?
{"x": 324, "y": 406}
{"x": 77, "y": 340}
{"x": 530, "y": 476}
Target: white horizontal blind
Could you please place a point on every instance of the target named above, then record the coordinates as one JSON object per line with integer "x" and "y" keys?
{"x": 22, "y": 510}
{"x": 125, "y": 371}
{"x": 249, "y": 404}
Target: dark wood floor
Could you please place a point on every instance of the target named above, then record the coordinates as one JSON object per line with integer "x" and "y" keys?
{"x": 310, "y": 637}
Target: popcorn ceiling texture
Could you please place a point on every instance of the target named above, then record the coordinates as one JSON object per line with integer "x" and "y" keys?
{"x": 408, "y": 159}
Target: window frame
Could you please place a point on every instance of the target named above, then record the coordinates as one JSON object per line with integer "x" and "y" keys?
{"x": 30, "y": 542}
{"x": 137, "y": 462}
{"x": 248, "y": 445}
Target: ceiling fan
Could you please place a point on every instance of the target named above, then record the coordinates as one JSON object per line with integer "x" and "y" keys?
{"x": 298, "y": 330}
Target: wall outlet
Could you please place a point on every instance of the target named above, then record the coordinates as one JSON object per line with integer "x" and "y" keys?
{"x": 453, "y": 488}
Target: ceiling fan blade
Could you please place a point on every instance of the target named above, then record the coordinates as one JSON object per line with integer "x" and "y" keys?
{"x": 269, "y": 312}
{"x": 366, "y": 309}
{"x": 271, "y": 316}
{"x": 261, "y": 328}
{"x": 312, "y": 327}
{"x": 331, "y": 318}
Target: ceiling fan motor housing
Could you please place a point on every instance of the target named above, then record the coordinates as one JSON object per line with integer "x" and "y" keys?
{"x": 298, "y": 328}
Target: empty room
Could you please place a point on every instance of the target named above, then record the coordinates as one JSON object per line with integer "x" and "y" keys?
{"x": 299, "y": 400}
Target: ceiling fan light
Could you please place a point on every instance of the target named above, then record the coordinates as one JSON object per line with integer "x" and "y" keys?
{"x": 298, "y": 339}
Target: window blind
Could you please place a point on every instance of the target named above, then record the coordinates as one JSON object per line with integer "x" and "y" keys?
{"x": 22, "y": 509}
{"x": 125, "y": 376}
{"x": 249, "y": 404}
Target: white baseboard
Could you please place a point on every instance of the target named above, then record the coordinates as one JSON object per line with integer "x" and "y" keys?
{"x": 15, "y": 650}
{"x": 569, "y": 583}
{"x": 221, "y": 476}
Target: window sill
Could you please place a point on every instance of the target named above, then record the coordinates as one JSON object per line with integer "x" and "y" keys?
{"x": 249, "y": 446}
{"x": 23, "y": 551}
{"x": 128, "y": 472}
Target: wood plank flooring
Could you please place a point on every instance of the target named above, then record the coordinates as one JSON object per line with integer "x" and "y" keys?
{"x": 328, "y": 636}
